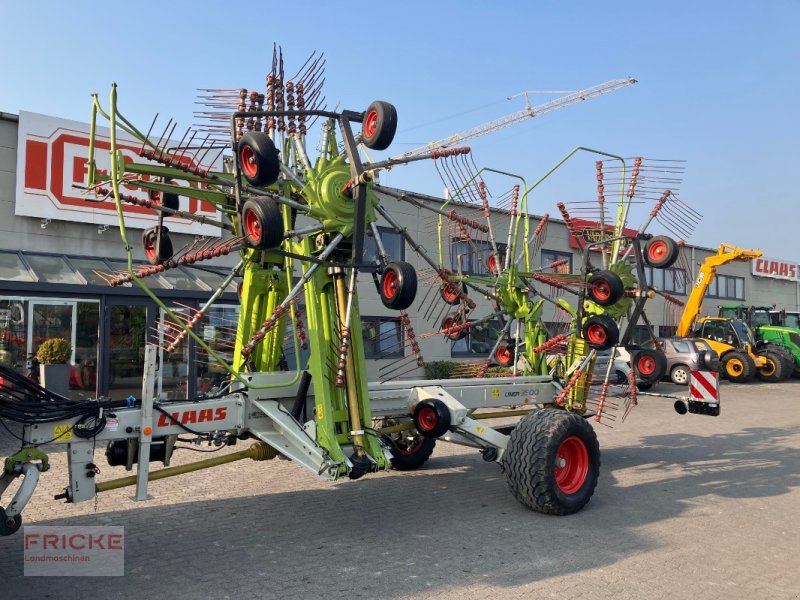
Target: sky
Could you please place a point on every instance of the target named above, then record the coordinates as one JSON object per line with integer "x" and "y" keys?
{"x": 717, "y": 87}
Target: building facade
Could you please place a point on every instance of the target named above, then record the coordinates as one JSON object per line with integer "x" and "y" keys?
{"x": 54, "y": 271}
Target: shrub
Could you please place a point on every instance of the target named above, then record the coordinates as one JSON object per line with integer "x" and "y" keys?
{"x": 54, "y": 351}
{"x": 439, "y": 369}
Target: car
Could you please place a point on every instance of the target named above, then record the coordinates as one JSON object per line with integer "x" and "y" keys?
{"x": 685, "y": 355}
{"x": 621, "y": 369}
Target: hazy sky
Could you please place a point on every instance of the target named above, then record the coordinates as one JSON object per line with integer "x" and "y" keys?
{"x": 718, "y": 83}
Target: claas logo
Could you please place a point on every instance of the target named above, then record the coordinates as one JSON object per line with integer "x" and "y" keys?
{"x": 55, "y": 164}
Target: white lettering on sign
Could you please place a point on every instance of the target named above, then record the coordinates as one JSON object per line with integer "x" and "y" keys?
{"x": 776, "y": 268}
{"x": 52, "y": 156}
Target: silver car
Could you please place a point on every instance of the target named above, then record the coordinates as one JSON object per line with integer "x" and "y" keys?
{"x": 684, "y": 355}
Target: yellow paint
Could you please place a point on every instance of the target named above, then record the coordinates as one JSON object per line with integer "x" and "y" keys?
{"x": 496, "y": 392}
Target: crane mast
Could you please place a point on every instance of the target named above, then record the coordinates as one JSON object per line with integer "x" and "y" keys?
{"x": 527, "y": 113}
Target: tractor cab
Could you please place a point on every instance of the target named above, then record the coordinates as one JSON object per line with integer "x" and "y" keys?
{"x": 731, "y": 332}
{"x": 783, "y": 318}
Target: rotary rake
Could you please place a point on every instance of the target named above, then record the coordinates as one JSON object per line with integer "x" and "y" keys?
{"x": 298, "y": 228}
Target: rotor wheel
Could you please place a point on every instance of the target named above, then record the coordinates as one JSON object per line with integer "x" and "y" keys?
{"x": 552, "y": 462}
{"x": 398, "y": 285}
{"x": 451, "y": 321}
{"x": 258, "y": 158}
{"x": 600, "y": 332}
{"x": 262, "y": 223}
{"x": 605, "y": 288}
{"x": 661, "y": 252}
{"x": 379, "y": 125}
{"x": 650, "y": 365}
{"x": 157, "y": 251}
{"x": 504, "y": 356}
{"x": 452, "y": 292}
{"x": 738, "y": 367}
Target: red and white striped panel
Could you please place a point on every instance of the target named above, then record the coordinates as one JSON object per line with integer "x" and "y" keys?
{"x": 704, "y": 386}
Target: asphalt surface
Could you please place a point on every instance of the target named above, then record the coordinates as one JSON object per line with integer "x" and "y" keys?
{"x": 692, "y": 507}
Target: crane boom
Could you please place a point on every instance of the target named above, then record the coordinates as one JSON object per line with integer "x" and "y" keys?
{"x": 694, "y": 305}
{"x": 527, "y": 113}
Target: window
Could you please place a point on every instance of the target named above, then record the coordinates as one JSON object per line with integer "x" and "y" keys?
{"x": 672, "y": 281}
{"x": 393, "y": 243}
{"x": 666, "y": 331}
{"x": 551, "y": 256}
{"x": 726, "y": 286}
{"x": 383, "y": 337}
{"x": 479, "y": 341}
{"x": 681, "y": 346}
{"x": 473, "y": 257}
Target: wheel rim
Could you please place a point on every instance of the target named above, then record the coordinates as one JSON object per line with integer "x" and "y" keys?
{"x": 252, "y": 225}
{"x": 408, "y": 446}
{"x": 450, "y": 293}
{"x": 646, "y": 365}
{"x": 657, "y": 250}
{"x": 390, "y": 284}
{"x": 150, "y": 248}
{"x": 427, "y": 418}
{"x": 371, "y": 123}
{"x": 492, "y": 263}
{"x": 734, "y": 367}
{"x": 596, "y": 334}
{"x": 572, "y": 465}
{"x": 769, "y": 368}
{"x": 601, "y": 290}
{"x": 504, "y": 354}
{"x": 248, "y": 160}
{"x": 680, "y": 376}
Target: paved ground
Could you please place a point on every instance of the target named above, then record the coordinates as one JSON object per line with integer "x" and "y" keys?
{"x": 687, "y": 507}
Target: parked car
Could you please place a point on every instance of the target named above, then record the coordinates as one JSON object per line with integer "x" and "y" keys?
{"x": 621, "y": 368}
{"x": 684, "y": 355}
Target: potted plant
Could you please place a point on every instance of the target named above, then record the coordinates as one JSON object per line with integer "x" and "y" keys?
{"x": 53, "y": 356}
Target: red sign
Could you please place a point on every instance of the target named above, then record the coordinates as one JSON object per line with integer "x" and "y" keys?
{"x": 776, "y": 269}
{"x": 52, "y": 157}
{"x": 589, "y": 233}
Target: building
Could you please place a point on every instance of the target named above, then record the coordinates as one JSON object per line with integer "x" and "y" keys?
{"x": 56, "y": 256}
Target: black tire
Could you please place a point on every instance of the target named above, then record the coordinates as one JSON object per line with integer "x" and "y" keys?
{"x": 398, "y": 285}
{"x": 258, "y": 158}
{"x": 605, "y": 288}
{"x": 452, "y": 292}
{"x": 552, "y": 462}
{"x": 649, "y": 365}
{"x": 661, "y": 252}
{"x": 774, "y": 370}
{"x": 643, "y": 386}
{"x": 620, "y": 378}
{"x": 504, "y": 356}
{"x": 738, "y": 367}
{"x": 157, "y": 251}
{"x": 9, "y": 525}
{"x": 710, "y": 360}
{"x": 600, "y": 332}
{"x": 410, "y": 450}
{"x": 680, "y": 375}
{"x": 262, "y": 223}
{"x": 784, "y": 353}
{"x": 432, "y": 418}
{"x": 448, "y": 322}
{"x": 379, "y": 125}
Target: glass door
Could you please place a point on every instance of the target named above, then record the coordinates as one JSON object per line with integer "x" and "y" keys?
{"x": 129, "y": 324}
{"x": 50, "y": 319}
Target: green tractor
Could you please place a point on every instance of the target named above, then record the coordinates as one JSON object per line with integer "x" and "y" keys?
{"x": 775, "y": 331}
